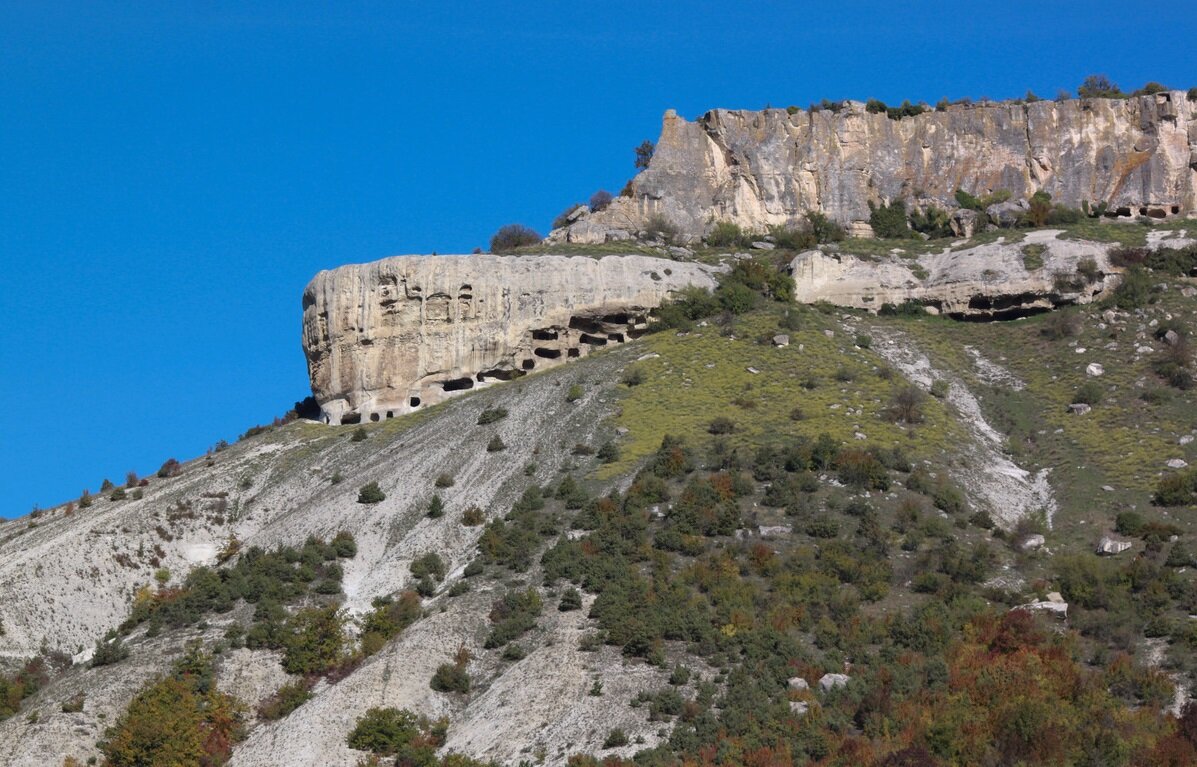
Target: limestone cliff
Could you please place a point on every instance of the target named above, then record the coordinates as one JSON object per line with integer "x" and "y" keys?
{"x": 994, "y": 280}
{"x": 387, "y": 337}
{"x": 760, "y": 168}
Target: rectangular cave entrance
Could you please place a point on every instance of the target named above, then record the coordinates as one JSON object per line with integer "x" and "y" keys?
{"x": 458, "y": 384}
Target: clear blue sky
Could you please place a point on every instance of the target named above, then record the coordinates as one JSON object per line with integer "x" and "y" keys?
{"x": 172, "y": 174}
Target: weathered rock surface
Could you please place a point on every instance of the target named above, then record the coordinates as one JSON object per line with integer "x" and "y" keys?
{"x": 390, "y": 336}
{"x": 68, "y": 578}
{"x": 990, "y": 280}
{"x": 759, "y": 168}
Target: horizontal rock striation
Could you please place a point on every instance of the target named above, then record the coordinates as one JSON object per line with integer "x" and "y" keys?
{"x": 1137, "y": 154}
{"x": 999, "y": 280}
{"x": 391, "y": 336}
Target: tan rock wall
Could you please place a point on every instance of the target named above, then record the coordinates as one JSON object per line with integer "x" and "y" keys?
{"x": 768, "y": 167}
{"x": 386, "y": 337}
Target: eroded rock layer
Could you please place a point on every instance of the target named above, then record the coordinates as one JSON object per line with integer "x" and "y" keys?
{"x": 998, "y": 280}
{"x": 1138, "y": 154}
{"x": 390, "y": 336}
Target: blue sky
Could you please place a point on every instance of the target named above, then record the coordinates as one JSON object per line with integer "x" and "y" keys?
{"x": 172, "y": 174}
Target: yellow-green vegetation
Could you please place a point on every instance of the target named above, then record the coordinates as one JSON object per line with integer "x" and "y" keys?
{"x": 817, "y": 384}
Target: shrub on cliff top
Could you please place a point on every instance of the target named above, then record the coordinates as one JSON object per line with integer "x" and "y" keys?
{"x": 512, "y": 236}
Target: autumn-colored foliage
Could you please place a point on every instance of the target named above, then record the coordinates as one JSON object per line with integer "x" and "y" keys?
{"x": 181, "y": 720}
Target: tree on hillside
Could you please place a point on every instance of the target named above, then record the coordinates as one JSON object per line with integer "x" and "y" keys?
{"x": 644, "y": 154}
{"x": 1098, "y": 87}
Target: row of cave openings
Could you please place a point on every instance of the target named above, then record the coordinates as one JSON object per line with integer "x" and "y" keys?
{"x": 582, "y": 335}
{"x": 548, "y": 347}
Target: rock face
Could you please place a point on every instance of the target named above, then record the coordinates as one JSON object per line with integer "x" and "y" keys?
{"x": 991, "y": 280}
{"x": 1138, "y": 154}
{"x": 391, "y": 336}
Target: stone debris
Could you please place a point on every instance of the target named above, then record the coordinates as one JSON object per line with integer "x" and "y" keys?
{"x": 1108, "y": 545}
{"x": 1032, "y": 542}
{"x": 832, "y": 681}
{"x": 1079, "y": 408}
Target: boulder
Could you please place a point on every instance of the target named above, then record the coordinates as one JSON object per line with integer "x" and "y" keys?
{"x": 1177, "y": 463}
{"x": 1006, "y": 214}
{"x": 1032, "y": 542}
{"x": 832, "y": 681}
{"x": 1171, "y": 337}
{"x": 798, "y": 683}
{"x": 965, "y": 222}
{"x": 1079, "y": 408}
{"x": 1111, "y": 546}
{"x": 1094, "y": 369}
{"x": 781, "y": 340}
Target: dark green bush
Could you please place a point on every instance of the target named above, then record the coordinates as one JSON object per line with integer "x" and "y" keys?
{"x": 109, "y": 651}
{"x": 513, "y": 236}
{"x": 450, "y": 677}
{"x": 491, "y": 415}
{"x": 1089, "y": 393}
{"x": 889, "y": 221}
{"x": 370, "y": 493}
{"x": 512, "y": 616}
{"x": 386, "y": 730}
{"x": 727, "y": 234}
{"x": 1176, "y": 489}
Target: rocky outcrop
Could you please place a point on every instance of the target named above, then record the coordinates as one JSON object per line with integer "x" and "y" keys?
{"x": 996, "y": 280}
{"x": 1137, "y": 154}
{"x": 387, "y": 337}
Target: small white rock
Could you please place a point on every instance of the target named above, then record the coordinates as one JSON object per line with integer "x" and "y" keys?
{"x": 1094, "y": 369}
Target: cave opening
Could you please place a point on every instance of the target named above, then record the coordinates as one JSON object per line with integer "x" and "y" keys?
{"x": 586, "y": 338}
{"x": 544, "y": 335}
{"x": 528, "y": 364}
{"x": 374, "y": 417}
{"x": 351, "y": 418}
{"x": 458, "y": 384}
{"x": 549, "y": 354}
{"x": 574, "y": 352}
{"x": 414, "y": 402}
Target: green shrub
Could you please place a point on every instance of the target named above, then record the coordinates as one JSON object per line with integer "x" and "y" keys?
{"x": 496, "y": 444}
{"x": 1134, "y": 291}
{"x": 615, "y": 739}
{"x": 359, "y": 434}
{"x": 444, "y": 480}
{"x": 370, "y": 493}
{"x": 108, "y": 652}
{"x": 644, "y": 154}
{"x": 344, "y": 545}
{"x": 391, "y": 616}
{"x": 966, "y": 200}
{"x": 721, "y": 425}
{"x": 1176, "y": 489}
{"x": 889, "y": 221}
{"x": 1089, "y": 393}
{"x": 940, "y": 388}
{"x": 473, "y": 517}
{"x": 727, "y": 234}
{"x": 436, "y": 507}
{"x": 659, "y": 227}
{"x": 286, "y": 699}
{"x": 386, "y": 730}
{"x": 429, "y": 565}
{"x": 513, "y": 236}
{"x": 575, "y": 393}
{"x": 513, "y": 615}
{"x": 1099, "y": 87}
{"x": 315, "y": 641}
{"x": 933, "y": 222}
{"x": 633, "y": 377}
{"x": 491, "y": 415}
{"x": 571, "y": 599}
{"x": 450, "y": 677}
{"x": 608, "y": 452}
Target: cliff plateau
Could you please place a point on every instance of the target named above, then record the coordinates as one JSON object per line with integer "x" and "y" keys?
{"x": 391, "y": 336}
{"x": 1138, "y": 155}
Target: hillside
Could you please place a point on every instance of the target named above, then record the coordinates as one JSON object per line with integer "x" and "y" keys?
{"x": 709, "y": 542}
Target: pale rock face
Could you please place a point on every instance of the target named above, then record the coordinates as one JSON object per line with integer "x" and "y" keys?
{"x": 984, "y": 280}
{"x": 390, "y": 336}
{"x": 760, "y": 168}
